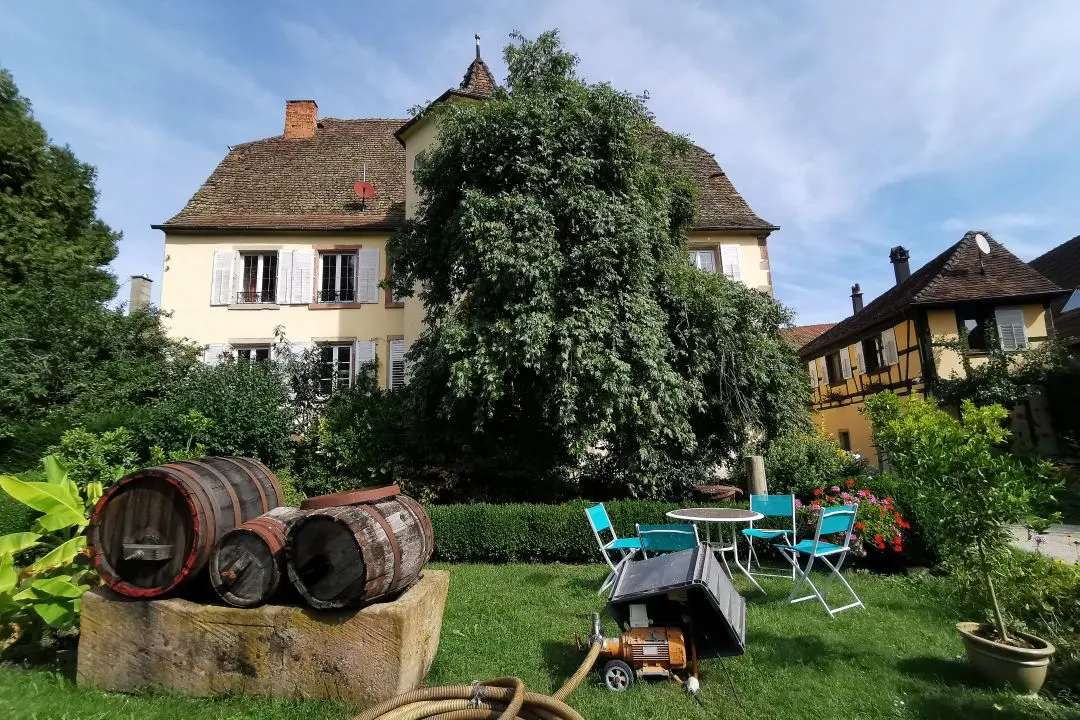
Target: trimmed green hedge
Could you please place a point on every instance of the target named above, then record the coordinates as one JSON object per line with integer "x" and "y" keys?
{"x": 533, "y": 533}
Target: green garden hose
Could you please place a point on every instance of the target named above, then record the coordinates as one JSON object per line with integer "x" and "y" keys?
{"x": 498, "y": 699}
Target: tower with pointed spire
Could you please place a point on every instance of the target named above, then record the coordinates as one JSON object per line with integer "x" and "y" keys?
{"x": 478, "y": 79}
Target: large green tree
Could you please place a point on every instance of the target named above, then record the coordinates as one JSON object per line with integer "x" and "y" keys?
{"x": 53, "y": 253}
{"x": 549, "y": 252}
{"x": 61, "y": 348}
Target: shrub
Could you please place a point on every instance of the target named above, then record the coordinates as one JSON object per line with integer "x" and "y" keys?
{"x": 247, "y": 404}
{"x": 293, "y": 495}
{"x": 878, "y": 523}
{"x": 801, "y": 461}
{"x": 357, "y": 438}
{"x": 1043, "y": 595}
{"x": 43, "y": 571}
{"x": 483, "y": 532}
{"x": 95, "y": 457}
{"x": 967, "y": 486}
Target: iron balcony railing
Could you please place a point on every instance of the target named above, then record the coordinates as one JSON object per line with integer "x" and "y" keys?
{"x": 337, "y": 296}
{"x": 255, "y": 297}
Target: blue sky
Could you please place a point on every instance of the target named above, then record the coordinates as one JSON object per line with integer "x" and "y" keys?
{"x": 854, "y": 126}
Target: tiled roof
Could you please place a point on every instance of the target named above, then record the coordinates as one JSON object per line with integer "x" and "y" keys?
{"x": 960, "y": 274}
{"x": 719, "y": 204}
{"x": 801, "y": 334}
{"x": 478, "y": 79}
{"x": 1062, "y": 265}
{"x": 305, "y": 183}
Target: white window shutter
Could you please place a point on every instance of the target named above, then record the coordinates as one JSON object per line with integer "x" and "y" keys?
{"x": 860, "y": 359}
{"x": 729, "y": 258}
{"x": 888, "y": 344}
{"x": 812, "y": 367}
{"x": 214, "y": 354}
{"x": 237, "y": 277}
{"x": 299, "y": 348}
{"x": 396, "y": 366}
{"x": 365, "y": 352}
{"x": 221, "y": 284}
{"x": 845, "y": 363}
{"x": 824, "y": 370}
{"x": 284, "y": 276}
{"x": 367, "y": 276}
{"x": 1011, "y": 328}
{"x": 302, "y": 289}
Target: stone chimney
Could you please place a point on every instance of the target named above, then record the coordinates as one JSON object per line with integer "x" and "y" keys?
{"x": 301, "y": 117}
{"x": 856, "y": 298}
{"x": 899, "y": 257}
{"x": 139, "y": 299}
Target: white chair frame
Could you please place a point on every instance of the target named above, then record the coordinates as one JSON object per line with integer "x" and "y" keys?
{"x": 834, "y": 567}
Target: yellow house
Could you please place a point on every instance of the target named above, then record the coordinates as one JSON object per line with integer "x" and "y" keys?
{"x": 895, "y": 342}
{"x": 279, "y": 235}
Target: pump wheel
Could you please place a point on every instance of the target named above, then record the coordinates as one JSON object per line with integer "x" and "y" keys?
{"x": 618, "y": 676}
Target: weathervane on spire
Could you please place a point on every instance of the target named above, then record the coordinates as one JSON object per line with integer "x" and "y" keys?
{"x": 477, "y": 36}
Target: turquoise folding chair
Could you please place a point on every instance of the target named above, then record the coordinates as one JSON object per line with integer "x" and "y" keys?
{"x": 771, "y": 506}
{"x": 599, "y": 520}
{"x": 659, "y": 539}
{"x": 831, "y": 521}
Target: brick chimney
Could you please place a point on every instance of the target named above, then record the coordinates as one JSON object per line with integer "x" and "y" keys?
{"x": 856, "y": 298}
{"x": 139, "y": 297}
{"x": 300, "y": 118}
{"x": 899, "y": 256}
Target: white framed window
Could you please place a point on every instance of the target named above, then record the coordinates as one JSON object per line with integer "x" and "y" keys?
{"x": 395, "y": 377}
{"x": 336, "y": 364}
{"x": 337, "y": 277}
{"x": 704, "y": 260}
{"x": 252, "y": 353}
{"x": 258, "y": 278}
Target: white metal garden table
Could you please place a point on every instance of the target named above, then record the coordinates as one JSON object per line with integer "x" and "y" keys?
{"x": 730, "y": 517}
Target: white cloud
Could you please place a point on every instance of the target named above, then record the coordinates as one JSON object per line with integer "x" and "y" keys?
{"x": 816, "y": 109}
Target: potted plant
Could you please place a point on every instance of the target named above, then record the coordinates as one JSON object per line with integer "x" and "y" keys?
{"x": 969, "y": 489}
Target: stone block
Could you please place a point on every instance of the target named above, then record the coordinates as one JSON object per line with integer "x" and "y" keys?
{"x": 362, "y": 656}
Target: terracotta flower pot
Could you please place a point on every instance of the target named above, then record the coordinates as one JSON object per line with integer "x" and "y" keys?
{"x": 1022, "y": 668}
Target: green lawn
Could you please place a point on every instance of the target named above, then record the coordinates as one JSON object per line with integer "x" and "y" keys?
{"x": 899, "y": 658}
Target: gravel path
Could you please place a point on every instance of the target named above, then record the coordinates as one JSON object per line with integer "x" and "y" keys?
{"x": 1061, "y": 542}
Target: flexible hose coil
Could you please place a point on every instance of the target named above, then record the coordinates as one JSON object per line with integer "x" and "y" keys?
{"x": 498, "y": 699}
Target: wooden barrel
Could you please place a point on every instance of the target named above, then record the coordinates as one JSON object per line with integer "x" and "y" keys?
{"x": 347, "y": 556}
{"x": 247, "y": 565}
{"x": 352, "y": 497}
{"x": 154, "y": 529}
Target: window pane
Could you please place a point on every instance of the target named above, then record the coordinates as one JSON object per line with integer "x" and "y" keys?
{"x": 269, "y": 278}
{"x": 975, "y": 324}
{"x": 248, "y": 281}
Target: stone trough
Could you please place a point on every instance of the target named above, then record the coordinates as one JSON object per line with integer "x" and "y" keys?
{"x": 362, "y": 656}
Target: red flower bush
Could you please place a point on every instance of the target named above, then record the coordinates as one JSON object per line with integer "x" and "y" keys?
{"x": 877, "y": 521}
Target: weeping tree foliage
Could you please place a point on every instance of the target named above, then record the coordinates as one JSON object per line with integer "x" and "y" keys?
{"x": 549, "y": 252}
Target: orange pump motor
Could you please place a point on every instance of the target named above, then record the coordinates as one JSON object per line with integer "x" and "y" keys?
{"x": 649, "y": 650}
{"x": 643, "y": 651}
